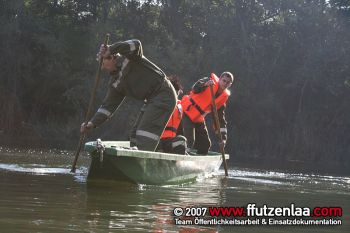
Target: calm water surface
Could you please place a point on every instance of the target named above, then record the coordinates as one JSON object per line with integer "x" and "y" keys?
{"x": 39, "y": 194}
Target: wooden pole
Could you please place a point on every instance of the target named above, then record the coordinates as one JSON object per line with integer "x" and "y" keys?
{"x": 89, "y": 110}
{"x": 217, "y": 128}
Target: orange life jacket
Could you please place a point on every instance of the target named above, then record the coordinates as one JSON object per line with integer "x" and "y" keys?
{"x": 173, "y": 123}
{"x": 197, "y": 106}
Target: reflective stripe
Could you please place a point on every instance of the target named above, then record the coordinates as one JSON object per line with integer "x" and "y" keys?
{"x": 115, "y": 84}
{"x": 131, "y": 44}
{"x": 147, "y": 134}
{"x": 179, "y": 106}
{"x": 104, "y": 111}
{"x": 223, "y": 130}
{"x": 120, "y": 74}
{"x": 125, "y": 62}
{"x": 178, "y": 143}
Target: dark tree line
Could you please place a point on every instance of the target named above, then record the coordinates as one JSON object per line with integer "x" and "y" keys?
{"x": 290, "y": 101}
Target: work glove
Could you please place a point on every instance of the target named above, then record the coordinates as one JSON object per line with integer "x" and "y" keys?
{"x": 85, "y": 127}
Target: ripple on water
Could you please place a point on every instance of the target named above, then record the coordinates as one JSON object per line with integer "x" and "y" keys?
{"x": 41, "y": 169}
{"x": 302, "y": 183}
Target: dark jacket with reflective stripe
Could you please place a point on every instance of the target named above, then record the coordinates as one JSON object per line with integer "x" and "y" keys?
{"x": 135, "y": 77}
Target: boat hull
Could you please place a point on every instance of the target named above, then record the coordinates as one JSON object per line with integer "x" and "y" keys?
{"x": 144, "y": 167}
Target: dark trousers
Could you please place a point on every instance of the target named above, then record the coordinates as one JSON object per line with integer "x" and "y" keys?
{"x": 153, "y": 118}
{"x": 175, "y": 145}
{"x": 196, "y": 135}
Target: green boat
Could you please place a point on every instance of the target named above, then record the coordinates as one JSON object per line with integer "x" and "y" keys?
{"x": 117, "y": 161}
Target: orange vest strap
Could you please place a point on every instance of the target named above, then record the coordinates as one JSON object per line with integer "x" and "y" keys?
{"x": 173, "y": 129}
{"x": 197, "y": 106}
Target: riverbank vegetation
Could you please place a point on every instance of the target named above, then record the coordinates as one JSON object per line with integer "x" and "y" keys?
{"x": 290, "y": 101}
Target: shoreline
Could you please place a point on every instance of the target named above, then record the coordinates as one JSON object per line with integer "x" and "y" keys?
{"x": 292, "y": 166}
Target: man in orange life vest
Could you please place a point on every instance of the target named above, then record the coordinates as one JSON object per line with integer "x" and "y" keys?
{"x": 197, "y": 105}
{"x": 170, "y": 140}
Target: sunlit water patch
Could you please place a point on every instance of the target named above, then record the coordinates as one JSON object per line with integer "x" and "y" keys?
{"x": 296, "y": 181}
{"x": 40, "y": 169}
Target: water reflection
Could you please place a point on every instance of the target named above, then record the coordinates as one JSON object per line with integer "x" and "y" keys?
{"x": 147, "y": 206}
{"x": 39, "y": 193}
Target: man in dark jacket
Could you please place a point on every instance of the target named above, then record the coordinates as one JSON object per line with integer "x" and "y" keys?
{"x": 133, "y": 75}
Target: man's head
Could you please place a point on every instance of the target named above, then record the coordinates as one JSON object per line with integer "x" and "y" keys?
{"x": 109, "y": 63}
{"x": 225, "y": 81}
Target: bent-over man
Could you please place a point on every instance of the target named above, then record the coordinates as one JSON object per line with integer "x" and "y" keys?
{"x": 133, "y": 75}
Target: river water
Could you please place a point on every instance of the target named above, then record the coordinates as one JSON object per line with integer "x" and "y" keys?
{"x": 39, "y": 194}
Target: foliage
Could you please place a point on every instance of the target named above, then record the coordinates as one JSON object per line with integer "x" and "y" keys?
{"x": 290, "y": 59}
